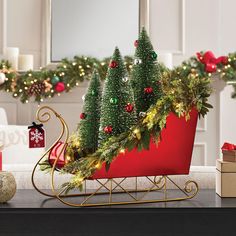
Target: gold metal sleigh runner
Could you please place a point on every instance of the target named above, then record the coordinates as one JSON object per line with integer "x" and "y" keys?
{"x": 112, "y": 188}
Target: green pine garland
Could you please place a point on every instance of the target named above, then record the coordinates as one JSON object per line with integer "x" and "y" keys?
{"x": 73, "y": 72}
{"x": 41, "y": 85}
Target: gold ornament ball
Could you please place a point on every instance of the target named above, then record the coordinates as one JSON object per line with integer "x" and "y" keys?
{"x": 7, "y": 186}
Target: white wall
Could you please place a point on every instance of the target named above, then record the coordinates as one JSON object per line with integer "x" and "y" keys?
{"x": 179, "y": 26}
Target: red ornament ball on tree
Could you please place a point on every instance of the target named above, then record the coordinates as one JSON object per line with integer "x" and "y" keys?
{"x": 129, "y": 107}
{"x": 113, "y": 64}
{"x": 210, "y": 67}
{"x": 136, "y": 43}
{"x": 60, "y": 87}
{"x": 108, "y": 129}
{"x": 148, "y": 90}
{"x": 82, "y": 116}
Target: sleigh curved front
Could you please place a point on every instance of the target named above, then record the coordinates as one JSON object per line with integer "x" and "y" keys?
{"x": 172, "y": 156}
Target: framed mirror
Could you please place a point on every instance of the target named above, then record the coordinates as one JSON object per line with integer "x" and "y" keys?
{"x": 90, "y": 28}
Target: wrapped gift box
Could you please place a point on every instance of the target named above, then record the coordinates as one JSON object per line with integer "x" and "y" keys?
{"x": 229, "y": 155}
{"x": 225, "y": 178}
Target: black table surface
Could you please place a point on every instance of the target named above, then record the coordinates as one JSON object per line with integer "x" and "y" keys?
{"x": 30, "y": 213}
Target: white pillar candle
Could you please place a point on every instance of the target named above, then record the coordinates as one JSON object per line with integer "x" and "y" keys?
{"x": 166, "y": 59}
{"x": 12, "y": 54}
{"x": 26, "y": 62}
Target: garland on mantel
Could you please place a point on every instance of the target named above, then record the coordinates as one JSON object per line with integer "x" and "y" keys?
{"x": 47, "y": 83}
{"x": 68, "y": 74}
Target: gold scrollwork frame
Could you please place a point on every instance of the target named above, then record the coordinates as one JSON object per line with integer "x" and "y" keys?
{"x": 110, "y": 187}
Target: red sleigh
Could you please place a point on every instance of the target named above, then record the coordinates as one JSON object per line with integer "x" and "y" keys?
{"x": 172, "y": 156}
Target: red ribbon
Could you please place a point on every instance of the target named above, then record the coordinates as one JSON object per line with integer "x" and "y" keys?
{"x": 228, "y": 147}
{"x": 210, "y": 61}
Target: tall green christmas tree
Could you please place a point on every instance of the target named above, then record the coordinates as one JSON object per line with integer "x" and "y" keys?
{"x": 145, "y": 74}
{"x": 117, "y": 109}
{"x": 90, "y": 117}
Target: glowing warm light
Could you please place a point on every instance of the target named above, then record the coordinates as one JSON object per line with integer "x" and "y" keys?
{"x": 136, "y": 131}
{"x": 122, "y": 150}
{"x": 98, "y": 165}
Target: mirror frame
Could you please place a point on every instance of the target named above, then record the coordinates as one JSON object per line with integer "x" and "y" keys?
{"x": 46, "y": 28}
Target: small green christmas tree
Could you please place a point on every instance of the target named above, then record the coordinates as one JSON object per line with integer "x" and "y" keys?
{"x": 90, "y": 117}
{"x": 117, "y": 109}
{"x": 145, "y": 74}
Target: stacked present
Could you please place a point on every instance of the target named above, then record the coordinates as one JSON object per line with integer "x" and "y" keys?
{"x": 226, "y": 172}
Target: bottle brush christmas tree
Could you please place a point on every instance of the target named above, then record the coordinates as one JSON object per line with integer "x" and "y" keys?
{"x": 145, "y": 74}
{"x": 90, "y": 117}
{"x": 117, "y": 109}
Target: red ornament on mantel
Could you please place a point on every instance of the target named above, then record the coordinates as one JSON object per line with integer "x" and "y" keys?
{"x": 148, "y": 90}
{"x": 60, "y": 87}
{"x": 210, "y": 61}
{"x": 210, "y": 67}
{"x": 129, "y": 107}
{"x": 113, "y": 64}
{"x": 108, "y": 129}
{"x": 36, "y": 138}
{"x": 136, "y": 43}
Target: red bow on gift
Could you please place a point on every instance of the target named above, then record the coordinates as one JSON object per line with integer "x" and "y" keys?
{"x": 228, "y": 147}
{"x": 210, "y": 61}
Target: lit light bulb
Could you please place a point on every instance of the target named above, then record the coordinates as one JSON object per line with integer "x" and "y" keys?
{"x": 29, "y": 74}
{"x": 26, "y": 101}
{"x": 98, "y": 165}
{"x": 136, "y": 131}
{"x": 122, "y": 150}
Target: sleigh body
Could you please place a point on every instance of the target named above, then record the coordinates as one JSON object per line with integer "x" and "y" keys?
{"x": 172, "y": 156}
